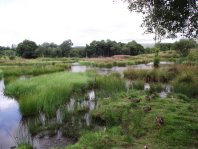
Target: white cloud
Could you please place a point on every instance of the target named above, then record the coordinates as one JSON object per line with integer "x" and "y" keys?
{"x": 58, "y": 20}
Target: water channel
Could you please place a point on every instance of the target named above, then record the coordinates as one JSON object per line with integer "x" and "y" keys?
{"x": 13, "y": 130}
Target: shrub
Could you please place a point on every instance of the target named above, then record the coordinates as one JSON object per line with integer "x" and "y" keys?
{"x": 183, "y": 46}
{"x": 156, "y": 60}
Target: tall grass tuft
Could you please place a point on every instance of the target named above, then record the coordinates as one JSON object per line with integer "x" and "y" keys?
{"x": 1, "y": 74}
{"x": 186, "y": 84}
{"x": 46, "y": 93}
{"x": 109, "y": 85}
{"x": 138, "y": 84}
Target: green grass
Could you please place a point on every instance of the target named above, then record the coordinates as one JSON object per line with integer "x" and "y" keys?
{"x": 154, "y": 75}
{"x": 108, "y": 85}
{"x": 32, "y": 69}
{"x": 186, "y": 84}
{"x": 134, "y": 128}
{"x": 47, "y": 92}
{"x": 1, "y": 74}
{"x": 138, "y": 84}
{"x": 24, "y": 146}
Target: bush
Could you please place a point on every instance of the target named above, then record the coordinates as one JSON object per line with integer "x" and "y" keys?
{"x": 183, "y": 46}
{"x": 156, "y": 60}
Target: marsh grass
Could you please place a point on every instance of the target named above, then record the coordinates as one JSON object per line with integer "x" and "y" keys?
{"x": 138, "y": 84}
{"x": 156, "y": 87}
{"x": 108, "y": 85}
{"x": 179, "y": 130}
{"x": 186, "y": 84}
{"x": 1, "y": 74}
{"x": 111, "y": 138}
{"x": 47, "y": 92}
{"x": 33, "y": 70}
{"x": 154, "y": 75}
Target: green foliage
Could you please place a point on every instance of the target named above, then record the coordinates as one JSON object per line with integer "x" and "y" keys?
{"x": 183, "y": 46}
{"x": 163, "y": 46}
{"x": 46, "y": 93}
{"x": 135, "y": 48}
{"x": 1, "y": 74}
{"x": 138, "y": 84}
{"x": 109, "y": 48}
{"x": 167, "y": 17}
{"x": 155, "y": 75}
{"x": 193, "y": 55}
{"x": 156, "y": 87}
{"x": 24, "y": 146}
{"x": 156, "y": 61}
{"x": 36, "y": 69}
{"x": 111, "y": 138}
{"x": 66, "y": 47}
{"x": 186, "y": 84}
{"x": 108, "y": 85}
{"x": 26, "y": 49}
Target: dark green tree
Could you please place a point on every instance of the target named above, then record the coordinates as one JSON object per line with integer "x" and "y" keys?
{"x": 163, "y": 46}
{"x": 26, "y": 49}
{"x": 66, "y": 47}
{"x": 135, "y": 48}
{"x": 167, "y": 17}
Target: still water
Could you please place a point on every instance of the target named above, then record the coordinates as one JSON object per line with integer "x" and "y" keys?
{"x": 10, "y": 118}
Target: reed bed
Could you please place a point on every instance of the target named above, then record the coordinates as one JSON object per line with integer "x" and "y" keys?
{"x": 47, "y": 92}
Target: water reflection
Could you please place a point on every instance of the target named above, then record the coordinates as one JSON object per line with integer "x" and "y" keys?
{"x": 10, "y": 118}
{"x": 76, "y": 67}
{"x": 84, "y": 106}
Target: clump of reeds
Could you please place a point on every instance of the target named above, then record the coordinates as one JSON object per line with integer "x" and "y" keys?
{"x": 47, "y": 92}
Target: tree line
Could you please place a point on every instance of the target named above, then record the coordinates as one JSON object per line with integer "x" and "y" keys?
{"x": 103, "y": 48}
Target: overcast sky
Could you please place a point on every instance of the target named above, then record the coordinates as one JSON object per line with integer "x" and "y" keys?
{"x": 82, "y": 21}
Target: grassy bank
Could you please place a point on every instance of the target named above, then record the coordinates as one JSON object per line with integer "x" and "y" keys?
{"x": 47, "y": 92}
{"x": 126, "y": 124}
{"x": 33, "y": 69}
{"x": 128, "y": 60}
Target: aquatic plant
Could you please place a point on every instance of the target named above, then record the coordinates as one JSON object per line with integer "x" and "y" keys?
{"x": 47, "y": 92}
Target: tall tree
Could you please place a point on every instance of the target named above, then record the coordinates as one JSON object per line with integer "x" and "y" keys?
{"x": 66, "y": 47}
{"x": 26, "y": 49}
{"x": 166, "y": 18}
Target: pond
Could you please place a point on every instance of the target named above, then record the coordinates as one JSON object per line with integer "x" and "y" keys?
{"x": 13, "y": 130}
{"x": 76, "y": 67}
{"x": 10, "y": 118}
